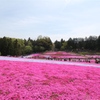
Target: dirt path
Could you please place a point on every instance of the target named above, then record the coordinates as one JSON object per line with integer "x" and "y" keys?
{"x": 50, "y": 61}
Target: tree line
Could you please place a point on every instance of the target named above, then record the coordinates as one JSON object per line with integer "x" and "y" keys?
{"x": 91, "y": 43}
{"x": 17, "y": 47}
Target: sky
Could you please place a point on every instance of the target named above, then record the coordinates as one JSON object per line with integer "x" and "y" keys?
{"x": 57, "y": 19}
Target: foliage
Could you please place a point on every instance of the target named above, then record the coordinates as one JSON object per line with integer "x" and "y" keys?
{"x": 91, "y": 43}
{"x": 28, "y": 50}
{"x": 42, "y": 44}
{"x": 17, "y": 47}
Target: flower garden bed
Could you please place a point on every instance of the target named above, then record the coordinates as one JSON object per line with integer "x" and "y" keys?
{"x": 44, "y": 81}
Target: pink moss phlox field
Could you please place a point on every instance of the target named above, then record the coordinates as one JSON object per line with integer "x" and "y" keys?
{"x": 59, "y": 54}
{"x": 41, "y": 81}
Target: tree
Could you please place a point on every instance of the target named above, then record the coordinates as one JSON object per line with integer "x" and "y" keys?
{"x": 4, "y": 45}
{"x": 70, "y": 44}
{"x": 98, "y": 43}
{"x": 28, "y": 49}
{"x": 17, "y": 48}
{"x": 64, "y": 46}
{"x": 43, "y": 44}
{"x": 57, "y": 45}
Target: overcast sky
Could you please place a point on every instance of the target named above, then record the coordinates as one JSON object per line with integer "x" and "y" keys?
{"x": 53, "y": 18}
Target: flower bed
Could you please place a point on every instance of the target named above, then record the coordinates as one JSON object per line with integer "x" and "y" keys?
{"x": 55, "y": 55}
{"x": 41, "y": 81}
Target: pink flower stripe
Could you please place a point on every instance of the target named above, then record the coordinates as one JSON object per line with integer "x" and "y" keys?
{"x": 44, "y": 81}
{"x": 58, "y": 54}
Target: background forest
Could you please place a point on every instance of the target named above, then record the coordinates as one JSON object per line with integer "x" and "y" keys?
{"x": 17, "y": 47}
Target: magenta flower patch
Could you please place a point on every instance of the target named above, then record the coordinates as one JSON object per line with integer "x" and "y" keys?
{"x": 42, "y": 81}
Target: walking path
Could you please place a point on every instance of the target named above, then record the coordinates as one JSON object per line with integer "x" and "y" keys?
{"x": 50, "y": 61}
